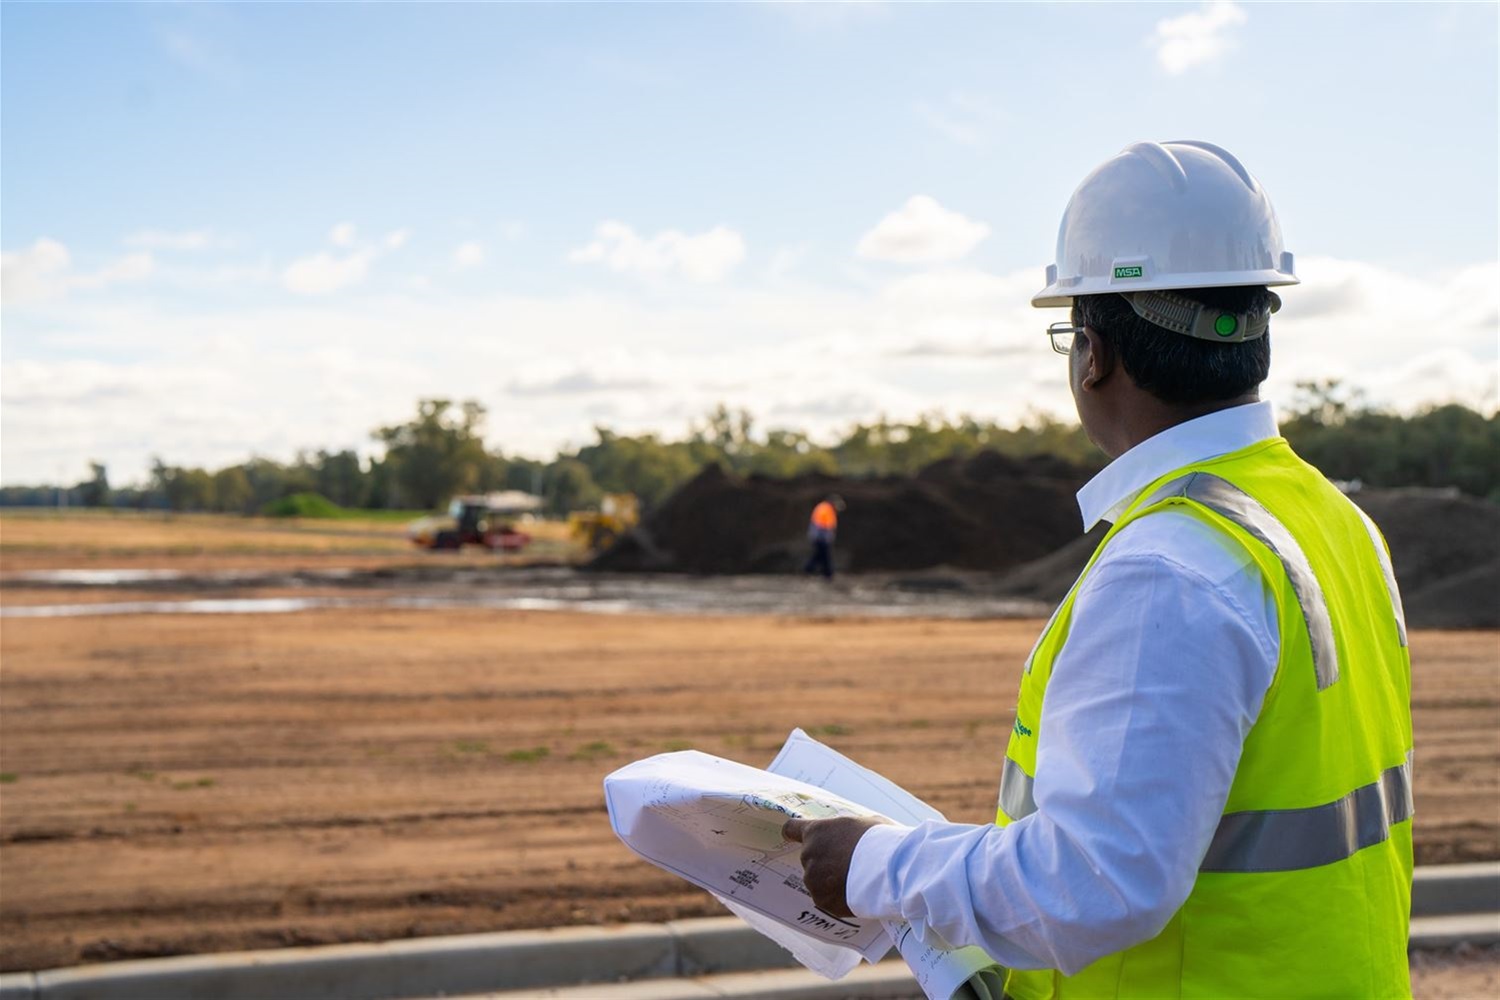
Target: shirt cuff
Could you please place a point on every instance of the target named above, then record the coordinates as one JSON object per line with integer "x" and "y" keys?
{"x": 868, "y": 888}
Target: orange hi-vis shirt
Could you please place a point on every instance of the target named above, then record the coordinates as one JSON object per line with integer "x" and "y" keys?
{"x": 825, "y": 517}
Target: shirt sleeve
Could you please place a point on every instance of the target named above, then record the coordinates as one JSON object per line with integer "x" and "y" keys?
{"x": 1171, "y": 651}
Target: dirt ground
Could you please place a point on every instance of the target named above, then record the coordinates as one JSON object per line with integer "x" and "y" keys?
{"x": 187, "y": 783}
{"x": 42, "y": 539}
{"x": 177, "y": 783}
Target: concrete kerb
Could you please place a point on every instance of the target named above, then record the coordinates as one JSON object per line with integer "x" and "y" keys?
{"x": 467, "y": 963}
{"x": 1450, "y": 904}
{"x": 1467, "y": 888}
{"x": 18, "y": 986}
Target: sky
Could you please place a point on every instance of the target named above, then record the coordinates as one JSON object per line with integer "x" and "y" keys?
{"x": 235, "y": 230}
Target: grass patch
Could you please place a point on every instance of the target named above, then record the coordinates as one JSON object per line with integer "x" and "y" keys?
{"x": 833, "y": 729}
{"x": 314, "y": 505}
{"x": 527, "y": 756}
{"x": 182, "y": 786}
{"x": 142, "y": 773}
{"x": 9, "y": 777}
{"x": 471, "y": 746}
{"x": 593, "y": 751}
{"x": 380, "y": 516}
{"x": 673, "y": 746}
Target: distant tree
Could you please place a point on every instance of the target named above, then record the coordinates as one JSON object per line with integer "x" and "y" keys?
{"x": 1451, "y": 445}
{"x": 94, "y": 491}
{"x": 569, "y": 487}
{"x": 525, "y": 474}
{"x": 381, "y": 491}
{"x": 183, "y": 489}
{"x": 643, "y": 465}
{"x": 338, "y": 476}
{"x": 492, "y": 473}
{"x": 439, "y": 453}
{"x": 232, "y": 491}
{"x": 270, "y": 481}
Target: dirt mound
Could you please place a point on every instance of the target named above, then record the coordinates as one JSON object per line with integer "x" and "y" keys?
{"x": 1018, "y": 517}
{"x": 987, "y": 512}
{"x": 1445, "y": 548}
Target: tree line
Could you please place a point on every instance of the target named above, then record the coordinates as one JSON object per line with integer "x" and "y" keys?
{"x": 440, "y": 453}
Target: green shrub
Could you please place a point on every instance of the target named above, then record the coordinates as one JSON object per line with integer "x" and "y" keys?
{"x": 303, "y": 505}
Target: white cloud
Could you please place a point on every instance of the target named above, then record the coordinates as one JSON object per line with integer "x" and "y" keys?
{"x": 1197, "y": 37}
{"x": 705, "y": 258}
{"x": 581, "y": 381}
{"x": 321, "y": 273}
{"x": 786, "y": 260}
{"x": 131, "y": 267}
{"x": 272, "y": 376}
{"x": 44, "y": 271}
{"x": 38, "y": 272}
{"x": 468, "y": 254}
{"x": 1404, "y": 340}
{"x": 921, "y": 232}
{"x": 158, "y": 239}
{"x": 324, "y": 272}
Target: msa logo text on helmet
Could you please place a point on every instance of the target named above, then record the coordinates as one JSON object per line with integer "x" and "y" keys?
{"x": 1128, "y": 272}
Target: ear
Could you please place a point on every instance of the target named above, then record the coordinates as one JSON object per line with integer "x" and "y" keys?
{"x": 1098, "y": 359}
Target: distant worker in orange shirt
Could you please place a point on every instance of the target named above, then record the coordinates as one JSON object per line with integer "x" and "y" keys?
{"x": 821, "y": 529}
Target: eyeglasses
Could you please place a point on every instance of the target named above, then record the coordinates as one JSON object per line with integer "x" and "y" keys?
{"x": 1061, "y": 334}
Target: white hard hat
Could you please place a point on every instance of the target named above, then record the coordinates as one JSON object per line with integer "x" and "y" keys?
{"x": 1181, "y": 214}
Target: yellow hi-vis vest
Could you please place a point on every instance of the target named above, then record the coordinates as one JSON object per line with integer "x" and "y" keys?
{"x": 1306, "y": 887}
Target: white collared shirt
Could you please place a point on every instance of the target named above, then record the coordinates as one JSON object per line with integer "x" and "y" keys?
{"x": 1173, "y": 646}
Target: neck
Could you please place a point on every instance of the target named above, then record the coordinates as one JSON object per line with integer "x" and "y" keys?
{"x": 1152, "y": 416}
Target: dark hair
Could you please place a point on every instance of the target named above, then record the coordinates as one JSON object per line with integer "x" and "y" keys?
{"x": 1176, "y": 368}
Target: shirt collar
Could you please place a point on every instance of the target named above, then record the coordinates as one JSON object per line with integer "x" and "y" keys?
{"x": 1105, "y": 497}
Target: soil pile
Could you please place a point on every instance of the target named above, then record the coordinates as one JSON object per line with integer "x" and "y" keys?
{"x": 1018, "y": 518}
{"x": 1445, "y": 548}
{"x": 985, "y": 512}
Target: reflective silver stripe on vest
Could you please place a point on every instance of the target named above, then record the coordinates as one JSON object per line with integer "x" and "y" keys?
{"x": 1280, "y": 840}
{"x": 1227, "y": 499}
{"x": 1389, "y": 571}
{"x": 1015, "y": 791}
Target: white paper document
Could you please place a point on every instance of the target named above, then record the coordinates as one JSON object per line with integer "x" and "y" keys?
{"x": 717, "y": 823}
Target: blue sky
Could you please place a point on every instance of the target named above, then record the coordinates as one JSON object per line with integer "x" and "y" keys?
{"x": 244, "y": 229}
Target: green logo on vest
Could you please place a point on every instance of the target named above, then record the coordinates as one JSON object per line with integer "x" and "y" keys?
{"x": 1129, "y": 272}
{"x": 1021, "y": 730}
{"x": 1225, "y": 325}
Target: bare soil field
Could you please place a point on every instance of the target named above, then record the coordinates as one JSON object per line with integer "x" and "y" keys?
{"x": 179, "y": 783}
{"x": 32, "y": 540}
{"x": 192, "y": 783}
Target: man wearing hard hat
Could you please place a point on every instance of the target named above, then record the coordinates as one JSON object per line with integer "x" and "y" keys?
{"x": 1207, "y": 791}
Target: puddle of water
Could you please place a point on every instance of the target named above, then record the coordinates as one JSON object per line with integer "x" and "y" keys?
{"x": 684, "y": 601}
{"x": 94, "y": 577}
{"x": 223, "y": 606}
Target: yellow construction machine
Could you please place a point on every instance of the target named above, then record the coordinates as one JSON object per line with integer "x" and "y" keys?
{"x": 598, "y": 529}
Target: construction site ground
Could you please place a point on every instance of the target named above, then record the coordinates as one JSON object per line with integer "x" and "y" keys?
{"x": 180, "y": 783}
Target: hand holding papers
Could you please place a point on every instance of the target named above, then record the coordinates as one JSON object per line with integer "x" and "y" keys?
{"x": 718, "y": 824}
